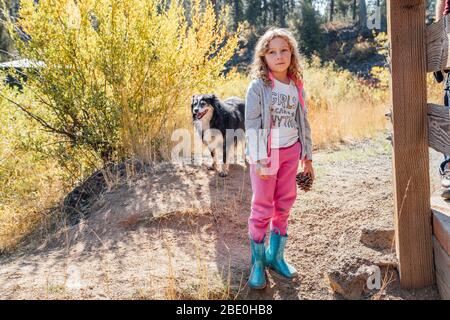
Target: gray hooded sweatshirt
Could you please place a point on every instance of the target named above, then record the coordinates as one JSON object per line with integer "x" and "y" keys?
{"x": 257, "y": 122}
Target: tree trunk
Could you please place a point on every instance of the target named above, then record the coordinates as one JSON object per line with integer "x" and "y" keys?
{"x": 362, "y": 14}
{"x": 264, "y": 12}
{"x": 236, "y": 13}
{"x": 274, "y": 12}
{"x": 331, "y": 9}
{"x": 282, "y": 14}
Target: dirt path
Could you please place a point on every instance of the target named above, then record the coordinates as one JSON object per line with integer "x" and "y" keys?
{"x": 183, "y": 233}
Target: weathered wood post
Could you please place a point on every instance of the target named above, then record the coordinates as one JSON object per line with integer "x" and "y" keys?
{"x": 412, "y": 217}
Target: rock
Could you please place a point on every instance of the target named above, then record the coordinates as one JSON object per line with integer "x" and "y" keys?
{"x": 350, "y": 279}
{"x": 378, "y": 238}
{"x": 387, "y": 261}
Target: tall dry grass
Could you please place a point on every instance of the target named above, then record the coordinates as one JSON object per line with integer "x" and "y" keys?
{"x": 207, "y": 284}
{"x": 31, "y": 183}
{"x": 342, "y": 107}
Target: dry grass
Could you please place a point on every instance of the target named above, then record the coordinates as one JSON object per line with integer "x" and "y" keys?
{"x": 341, "y": 107}
{"x": 207, "y": 284}
{"x": 334, "y": 123}
{"x": 32, "y": 207}
{"x": 388, "y": 278}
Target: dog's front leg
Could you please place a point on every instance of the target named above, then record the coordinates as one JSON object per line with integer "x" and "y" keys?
{"x": 213, "y": 166}
{"x": 218, "y": 161}
{"x": 215, "y": 146}
{"x": 228, "y": 157}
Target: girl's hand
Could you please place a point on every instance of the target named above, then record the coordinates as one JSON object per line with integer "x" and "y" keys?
{"x": 308, "y": 168}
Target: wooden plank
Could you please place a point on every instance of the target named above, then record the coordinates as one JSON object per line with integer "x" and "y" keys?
{"x": 441, "y": 221}
{"x": 442, "y": 263}
{"x": 439, "y": 128}
{"x": 412, "y": 217}
{"x": 439, "y": 111}
{"x": 438, "y": 45}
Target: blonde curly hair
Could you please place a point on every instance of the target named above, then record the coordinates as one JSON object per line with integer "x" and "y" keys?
{"x": 259, "y": 68}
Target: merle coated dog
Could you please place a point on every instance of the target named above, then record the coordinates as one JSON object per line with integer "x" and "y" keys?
{"x": 209, "y": 112}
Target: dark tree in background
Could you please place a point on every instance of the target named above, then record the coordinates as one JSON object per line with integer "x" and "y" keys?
{"x": 342, "y": 7}
{"x": 306, "y": 17}
{"x": 282, "y": 14}
{"x": 309, "y": 32}
{"x": 362, "y": 14}
{"x": 237, "y": 12}
{"x": 254, "y": 12}
{"x": 331, "y": 10}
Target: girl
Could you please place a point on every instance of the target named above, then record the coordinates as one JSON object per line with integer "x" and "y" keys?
{"x": 278, "y": 136}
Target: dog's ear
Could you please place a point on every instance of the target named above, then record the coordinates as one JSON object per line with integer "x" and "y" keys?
{"x": 212, "y": 97}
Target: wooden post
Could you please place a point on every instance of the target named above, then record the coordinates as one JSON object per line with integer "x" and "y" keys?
{"x": 413, "y": 233}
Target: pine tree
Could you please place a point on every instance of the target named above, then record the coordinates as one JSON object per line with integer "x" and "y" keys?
{"x": 253, "y": 12}
{"x": 362, "y": 14}
{"x": 331, "y": 9}
{"x": 310, "y": 34}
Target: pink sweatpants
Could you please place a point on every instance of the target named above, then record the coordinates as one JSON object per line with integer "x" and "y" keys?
{"x": 273, "y": 199}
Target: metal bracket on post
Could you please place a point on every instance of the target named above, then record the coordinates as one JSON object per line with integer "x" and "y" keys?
{"x": 390, "y": 138}
{"x": 389, "y": 115}
{"x": 390, "y": 135}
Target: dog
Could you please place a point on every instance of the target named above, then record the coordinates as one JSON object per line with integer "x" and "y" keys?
{"x": 209, "y": 112}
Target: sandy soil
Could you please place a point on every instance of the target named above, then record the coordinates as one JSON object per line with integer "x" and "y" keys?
{"x": 181, "y": 232}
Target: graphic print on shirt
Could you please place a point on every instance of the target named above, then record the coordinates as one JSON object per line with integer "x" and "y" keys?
{"x": 283, "y": 110}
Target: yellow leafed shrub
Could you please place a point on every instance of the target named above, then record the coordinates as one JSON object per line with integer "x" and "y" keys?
{"x": 116, "y": 79}
{"x": 118, "y": 74}
{"x": 30, "y": 181}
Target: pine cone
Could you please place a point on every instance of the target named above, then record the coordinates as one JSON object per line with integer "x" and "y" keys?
{"x": 304, "y": 181}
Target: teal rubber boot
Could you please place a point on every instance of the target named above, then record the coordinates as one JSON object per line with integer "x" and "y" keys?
{"x": 275, "y": 256}
{"x": 257, "y": 279}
